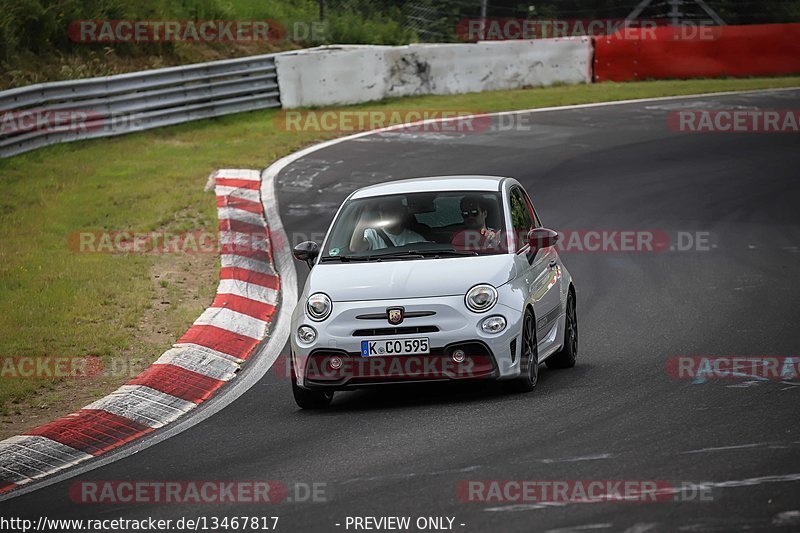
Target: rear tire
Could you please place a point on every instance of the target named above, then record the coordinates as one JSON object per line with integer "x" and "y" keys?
{"x": 529, "y": 358}
{"x": 309, "y": 399}
{"x": 568, "y": 356}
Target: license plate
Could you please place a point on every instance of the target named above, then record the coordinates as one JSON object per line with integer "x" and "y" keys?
{"x": 395, "y": 347}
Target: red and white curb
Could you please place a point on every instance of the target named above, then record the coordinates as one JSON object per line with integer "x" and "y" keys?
{"x": 207, "y": 356}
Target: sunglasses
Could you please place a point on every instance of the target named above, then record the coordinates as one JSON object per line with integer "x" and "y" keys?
{"x": 473, "y": 213}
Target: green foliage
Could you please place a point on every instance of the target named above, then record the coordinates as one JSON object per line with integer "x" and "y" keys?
{"x": 38, "y": 26}
{"x": 347, "y": 28}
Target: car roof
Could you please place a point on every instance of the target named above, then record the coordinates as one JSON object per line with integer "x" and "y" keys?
{"x": 432, "y": 184}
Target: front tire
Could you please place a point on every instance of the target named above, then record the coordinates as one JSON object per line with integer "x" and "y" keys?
{"x": 568, "y": 356}
{"x": 530, "y": 356}
{"x": 309, "y": 399}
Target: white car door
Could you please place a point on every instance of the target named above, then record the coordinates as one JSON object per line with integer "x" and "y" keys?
{"x": 541, "y": 270}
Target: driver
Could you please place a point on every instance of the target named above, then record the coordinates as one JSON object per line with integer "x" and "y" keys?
{"x": 476, "y": 235}
{"x": 389, "y": 231}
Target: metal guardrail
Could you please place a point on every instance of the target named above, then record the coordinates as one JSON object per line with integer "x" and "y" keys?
{"x": 51, "y": 113}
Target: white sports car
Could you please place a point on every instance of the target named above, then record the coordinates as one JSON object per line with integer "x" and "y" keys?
{"x": 432, "y": 279}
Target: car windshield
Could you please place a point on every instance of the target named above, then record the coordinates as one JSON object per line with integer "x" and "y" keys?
{"x": 418, "y": 225}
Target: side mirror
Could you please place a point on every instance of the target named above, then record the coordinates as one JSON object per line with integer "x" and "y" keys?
{"x": 306, "y": 251}
{"x": 540, "y": 238}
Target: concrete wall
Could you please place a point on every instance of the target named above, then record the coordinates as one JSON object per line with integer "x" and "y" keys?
{"x": 332, "y": 75}
{"x": 348, "y": 75}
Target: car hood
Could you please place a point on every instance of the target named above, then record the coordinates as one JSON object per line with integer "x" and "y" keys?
{"x": 418, "y": 278}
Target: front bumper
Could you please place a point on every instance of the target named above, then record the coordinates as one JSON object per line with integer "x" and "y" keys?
{"x": 448, "y": 325}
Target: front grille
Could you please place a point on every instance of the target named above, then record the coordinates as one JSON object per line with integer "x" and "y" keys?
{"x": 385, "y": 316}
{"x": 408, "y": 330}
{"x": 357, "y": 371}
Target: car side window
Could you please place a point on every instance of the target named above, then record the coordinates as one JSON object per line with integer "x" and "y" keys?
{"x": 536, "y": 222}
{"x": 521, "y": 218}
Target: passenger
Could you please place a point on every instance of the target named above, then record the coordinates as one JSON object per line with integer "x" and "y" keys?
{"x": 391, "y": 229}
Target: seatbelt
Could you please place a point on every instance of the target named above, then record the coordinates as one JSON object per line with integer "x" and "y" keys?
{"x": 384, "y": 237}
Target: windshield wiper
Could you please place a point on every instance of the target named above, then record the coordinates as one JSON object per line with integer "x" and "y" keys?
{"x": 449, "y": 252}
{"x": 408, "y": 254}
{"x": 366, "y": 258}
{"x": 421, "y": 254}
{"x": 345, "y": 258}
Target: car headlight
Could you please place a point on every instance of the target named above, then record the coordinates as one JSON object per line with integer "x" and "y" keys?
{"x": 319, "y": 306}
{"x": 493, "y": 324}
{"x": 481, "y": 298}
{"x": 306, "y": 334}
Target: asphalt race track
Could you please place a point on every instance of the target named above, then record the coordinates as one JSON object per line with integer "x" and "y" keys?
{"x": 617, "y": 415}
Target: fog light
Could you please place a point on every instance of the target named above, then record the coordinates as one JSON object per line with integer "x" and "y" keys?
{"x": 306, "y": 334}
{"x": 493, "y": 324}
{"x": 459, "y": 356}
{"x": 335, "y": 363}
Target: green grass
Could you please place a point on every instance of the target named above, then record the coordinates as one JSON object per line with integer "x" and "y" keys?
{"x": 56, "y": 302}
